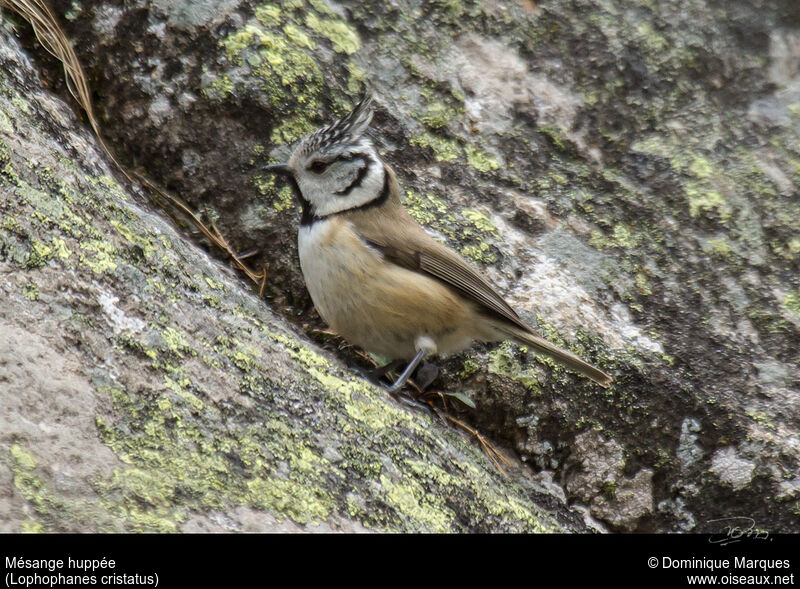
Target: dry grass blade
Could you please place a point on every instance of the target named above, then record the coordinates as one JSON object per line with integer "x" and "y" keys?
{"x": 55, "y": 41}
{"x": 52, "y": 37}
{"x": 493, "y": 453}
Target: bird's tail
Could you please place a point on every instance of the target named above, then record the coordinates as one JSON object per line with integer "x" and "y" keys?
{"x": 542, "y": 346}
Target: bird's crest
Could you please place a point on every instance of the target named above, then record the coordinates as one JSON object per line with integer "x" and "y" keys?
{"x": 343, "y": 131}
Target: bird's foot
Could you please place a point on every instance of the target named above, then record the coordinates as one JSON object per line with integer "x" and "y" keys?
{"x": 425, "y": 375}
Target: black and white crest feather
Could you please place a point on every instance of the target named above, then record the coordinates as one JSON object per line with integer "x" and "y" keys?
{"x": 346, "y": 130}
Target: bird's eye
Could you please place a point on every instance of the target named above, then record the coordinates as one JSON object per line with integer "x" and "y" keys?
{"x": 318, "y": 166}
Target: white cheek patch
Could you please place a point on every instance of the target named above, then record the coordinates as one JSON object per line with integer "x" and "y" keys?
{"x": 368, "y": 189}
{"x": 356, "y": 177}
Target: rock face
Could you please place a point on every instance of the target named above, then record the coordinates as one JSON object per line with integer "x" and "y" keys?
{"x": 626, "y": 173}
{"x": 144, "y": 387}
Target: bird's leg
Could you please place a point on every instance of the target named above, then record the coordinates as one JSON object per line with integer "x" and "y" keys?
{"x": 403, "y": 378}
{"x": 424, "y": 345}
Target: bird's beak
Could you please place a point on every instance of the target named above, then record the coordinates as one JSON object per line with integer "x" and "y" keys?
{"x": 282, "y": 169}
{"x": 285, "y": 171}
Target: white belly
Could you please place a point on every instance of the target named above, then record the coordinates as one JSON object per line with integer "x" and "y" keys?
{"x": 331, "y": 270}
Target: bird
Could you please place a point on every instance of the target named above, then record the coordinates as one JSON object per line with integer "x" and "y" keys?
{"x": 376, "y": 276}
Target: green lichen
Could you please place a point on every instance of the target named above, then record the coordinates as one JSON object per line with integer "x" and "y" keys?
{"x": 300, "y": 503}
{"x": 503, "y": 361}
{"x": 40, "y": 254}
{"x": 298, "y": 36}
{"x": 480, "y": 252}
{"x": 60, "y": 248}
{"x": 243, "y": 356}
{"x": 291, "y": 129}
{"x": 762, "y": 419}
{"x": 9, "y": 223}
{"x": 214, "y": 284}
{"x": 31, "y": 291}
{"x": 235, "y": 43}
{"x": 559, "y": 178}
{"x": 21, "y": 103}
{"x": 515, "y": 510}
{"x": 706, "y": 199}
{"x": 180, "y": 388}
{"x": 321, "y": 6}
{"x": 6, "y": 126}
{"x": 356, "y": 79}
{"x": 556, "y": 136}
{"x": 29, "y": 527}
{"x": 480, "y": 221}
{"x": 22, "y": 457}
{"x": 343, "y": 36}
{"x": 48, "y": 505}
{"x": 719, "y": 246}
{"x": 622, "y": 236}
{"x": 791, "y": 302}
{"x": 410, "y": 498}
{"x": 436, "y": 115}
{"x": 469, "y": 368}
{"x": 298, "y": 350}
{"x": 469, "y": 228}
{"x": 288, "y": 74}
{"x": 173, "y": 455}
{"x": 445, "y": 150}
{"x": 282, "y": 198}
{"x": 27, "y": 482}
{"x": 357, "y": 397}
{"x": 220, "y": 88}
{"x": 480, "y": 160}
{"x": 439, "y": 109}
{"x": 103, "y": 259}
{"x": 142, "y": 241}
{"x": 269, "y": 14}
{"x": 176, "y": 341}
{"x": 653, "y": 41}
{"x": 642, "y": 283}
{"x": 425, "y": 208}
{"x": 7, "y": 171}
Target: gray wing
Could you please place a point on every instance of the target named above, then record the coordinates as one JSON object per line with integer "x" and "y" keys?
{"x": 421, "y": 253}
